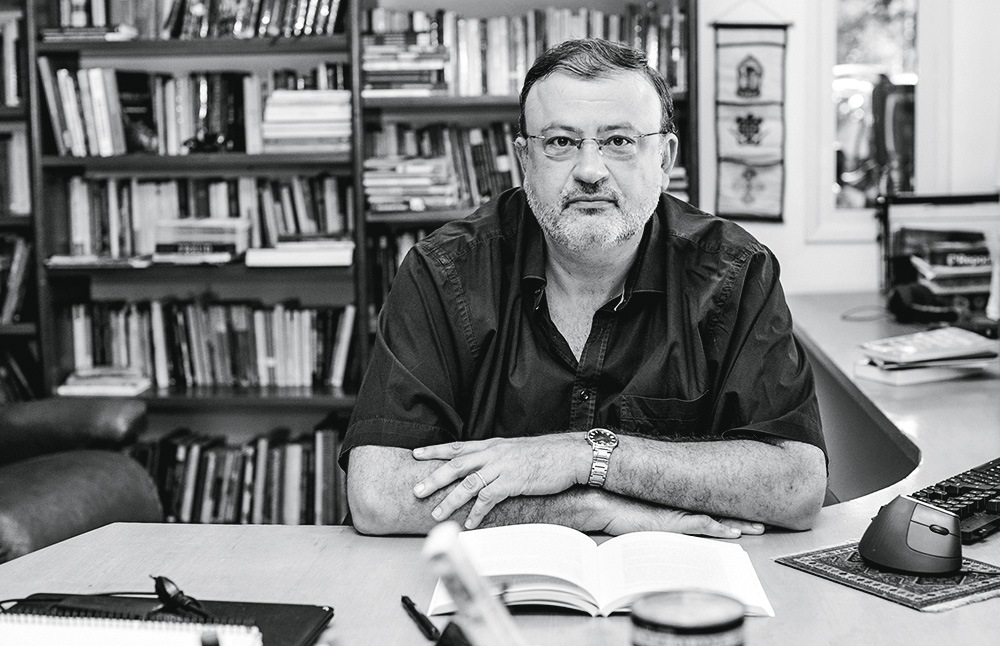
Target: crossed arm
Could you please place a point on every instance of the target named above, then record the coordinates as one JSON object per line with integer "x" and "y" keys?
{"x": 717, "y": 488}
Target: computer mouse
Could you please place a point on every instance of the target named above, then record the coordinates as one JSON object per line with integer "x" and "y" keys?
{"x": 911, "y": 536}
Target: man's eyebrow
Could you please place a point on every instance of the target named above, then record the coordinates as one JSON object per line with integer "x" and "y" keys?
{"x": 577, "y": 131}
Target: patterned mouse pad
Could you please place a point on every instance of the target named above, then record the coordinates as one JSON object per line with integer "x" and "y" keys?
{"x": 976, "y": 580}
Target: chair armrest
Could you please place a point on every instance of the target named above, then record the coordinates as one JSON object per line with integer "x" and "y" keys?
{"x": 45, "y": 426}
{"x": 54, "y": 497}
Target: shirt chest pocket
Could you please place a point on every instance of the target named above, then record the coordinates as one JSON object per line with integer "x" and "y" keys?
{"x": 653, "y": 416}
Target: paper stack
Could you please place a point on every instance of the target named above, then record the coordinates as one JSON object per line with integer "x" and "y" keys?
{"x": 933, "y": 355}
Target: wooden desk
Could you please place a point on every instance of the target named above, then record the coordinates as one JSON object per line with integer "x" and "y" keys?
{"x": 955, "y": 425}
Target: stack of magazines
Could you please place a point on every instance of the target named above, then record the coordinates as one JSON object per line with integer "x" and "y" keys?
{"x": 932, "y": 355}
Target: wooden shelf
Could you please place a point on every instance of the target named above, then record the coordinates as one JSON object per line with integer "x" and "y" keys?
{"x": 228, "y": 164}
{"x": 207, "y": 398}
{"x": 440, "y": 102}
{"x": 231, "y": 271}
{"x": 214, "y": 398}
{"x": 193, "y": 48}
{"x": 12, "y": 114}
{"x": 18, "y": 329}
{"x": 10, "y": 222}
{"x": 417, "y": 218}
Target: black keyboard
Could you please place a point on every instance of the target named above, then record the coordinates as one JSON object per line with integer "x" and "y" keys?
{"x": 974, "y": 496}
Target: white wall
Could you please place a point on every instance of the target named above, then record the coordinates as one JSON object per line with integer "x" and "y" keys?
{"x": 958, "y": 138}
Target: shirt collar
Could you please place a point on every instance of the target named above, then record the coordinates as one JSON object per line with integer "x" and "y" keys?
{"x": 647, "y": 275}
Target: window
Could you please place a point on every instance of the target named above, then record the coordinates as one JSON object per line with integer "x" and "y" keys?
{"x": 874, "y": 82}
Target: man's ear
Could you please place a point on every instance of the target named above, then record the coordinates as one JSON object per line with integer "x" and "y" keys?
{"x": 521, "y": 149}
{"x": 669, "y": 157}
{"x": 669, "y": 153}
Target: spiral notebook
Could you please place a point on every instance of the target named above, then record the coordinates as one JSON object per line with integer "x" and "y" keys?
{"x": 114, "y": 620}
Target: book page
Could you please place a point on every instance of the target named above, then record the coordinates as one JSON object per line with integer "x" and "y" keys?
{"x": 643, "y": 562}
{"x": 537, "y": 562}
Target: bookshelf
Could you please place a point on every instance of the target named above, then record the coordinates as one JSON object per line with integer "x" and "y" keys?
{"x": 62, "y": 285}
{"x": 19, "y": 371}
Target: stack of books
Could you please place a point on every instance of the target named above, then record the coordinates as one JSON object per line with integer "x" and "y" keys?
{"x": 404, "y": 60}
{"x": 316, "y": 252}
{"x": 949, "y": 267}
{"x": 934, "y": 355}
{"x": 438, "y": 166}
{"x": 105, "y": 381}
{"x": 298, "y": 121}
{"x": 410, "y": 184}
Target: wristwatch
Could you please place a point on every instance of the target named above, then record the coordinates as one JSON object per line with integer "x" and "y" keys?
{"x": 603, "y": 442}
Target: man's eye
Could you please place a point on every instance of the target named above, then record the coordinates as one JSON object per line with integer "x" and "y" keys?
{"x": 618, "y": 141}
{"x": 560, "y": 142}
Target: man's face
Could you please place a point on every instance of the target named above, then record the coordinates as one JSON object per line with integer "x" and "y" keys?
{"x": 591, "y": 201}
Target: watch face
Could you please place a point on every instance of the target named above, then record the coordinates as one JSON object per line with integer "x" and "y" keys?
{"x": 602, "y": 437}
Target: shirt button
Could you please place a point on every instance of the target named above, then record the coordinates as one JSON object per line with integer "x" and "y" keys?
{"x": 584, "y": 395}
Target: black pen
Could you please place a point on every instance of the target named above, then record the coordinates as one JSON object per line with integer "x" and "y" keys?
{"x": 429, "y": 630}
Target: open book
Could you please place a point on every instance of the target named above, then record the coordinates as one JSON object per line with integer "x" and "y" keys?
{"x": 559, "y": 566}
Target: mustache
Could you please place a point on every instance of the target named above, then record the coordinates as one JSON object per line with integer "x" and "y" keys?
{"x": 589, "y": 192}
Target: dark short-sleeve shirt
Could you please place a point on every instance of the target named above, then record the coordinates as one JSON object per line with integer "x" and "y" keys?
{"x": 699, "y": 344}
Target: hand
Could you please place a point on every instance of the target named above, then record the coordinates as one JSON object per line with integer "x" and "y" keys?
{"x": 641, "y": 516}
{"x": 496, "y": 469}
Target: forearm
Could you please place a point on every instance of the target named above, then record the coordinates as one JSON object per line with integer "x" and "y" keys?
{"x": 380, "y": 493}
{"x": 780, "y": 484}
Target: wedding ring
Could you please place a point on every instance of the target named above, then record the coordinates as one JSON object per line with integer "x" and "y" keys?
{"x": 481, "y": 478}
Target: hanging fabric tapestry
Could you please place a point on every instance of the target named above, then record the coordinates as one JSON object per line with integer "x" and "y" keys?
{"x": 750, "y": 120}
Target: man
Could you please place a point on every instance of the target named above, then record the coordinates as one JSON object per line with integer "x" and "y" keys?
{"x": 589, "y": 300}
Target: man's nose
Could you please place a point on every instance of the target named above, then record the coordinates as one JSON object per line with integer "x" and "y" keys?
{"x": 589, "y": 167}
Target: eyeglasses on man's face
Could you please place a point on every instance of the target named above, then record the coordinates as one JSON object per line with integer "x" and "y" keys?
{"x": 617, "y": 146}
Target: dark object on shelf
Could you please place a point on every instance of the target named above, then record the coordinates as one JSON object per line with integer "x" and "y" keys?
{"x": 911, "y": 536}
{"x": 62, "y": 474}
{"x": 896, "y": 264}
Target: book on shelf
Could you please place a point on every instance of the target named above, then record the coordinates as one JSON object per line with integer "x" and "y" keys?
{"x": 925, "y": 372}
{"x": 274, "y": 478}
{"x": 952, "y": 285}
{"x": 10, "y": 76}
{"x": 15, "y": 257}
{"x": 205, "y": 240}
{"x": 15, "y": 178}
{"x": 553, "y": 565}
{"x": 104, "y": 381}
{"x": 333, "y": 252}
{"x": 182, "y": 344}
{"x": 197, "y": 19}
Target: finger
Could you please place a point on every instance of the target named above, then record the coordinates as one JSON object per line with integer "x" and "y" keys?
{"x": 447, "y": 451}
{"x": 488, "y": 498}
{"x": 707, "y": 526}
{"x": 745, "y": 526}
{"x": 443, "y": 476}
{"x": 463, "y": 493}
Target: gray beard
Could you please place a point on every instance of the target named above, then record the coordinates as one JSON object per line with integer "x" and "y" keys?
{"x": 580, "y": 234}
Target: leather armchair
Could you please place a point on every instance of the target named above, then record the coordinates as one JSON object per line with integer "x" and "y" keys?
{"x": 62, "y": 472}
